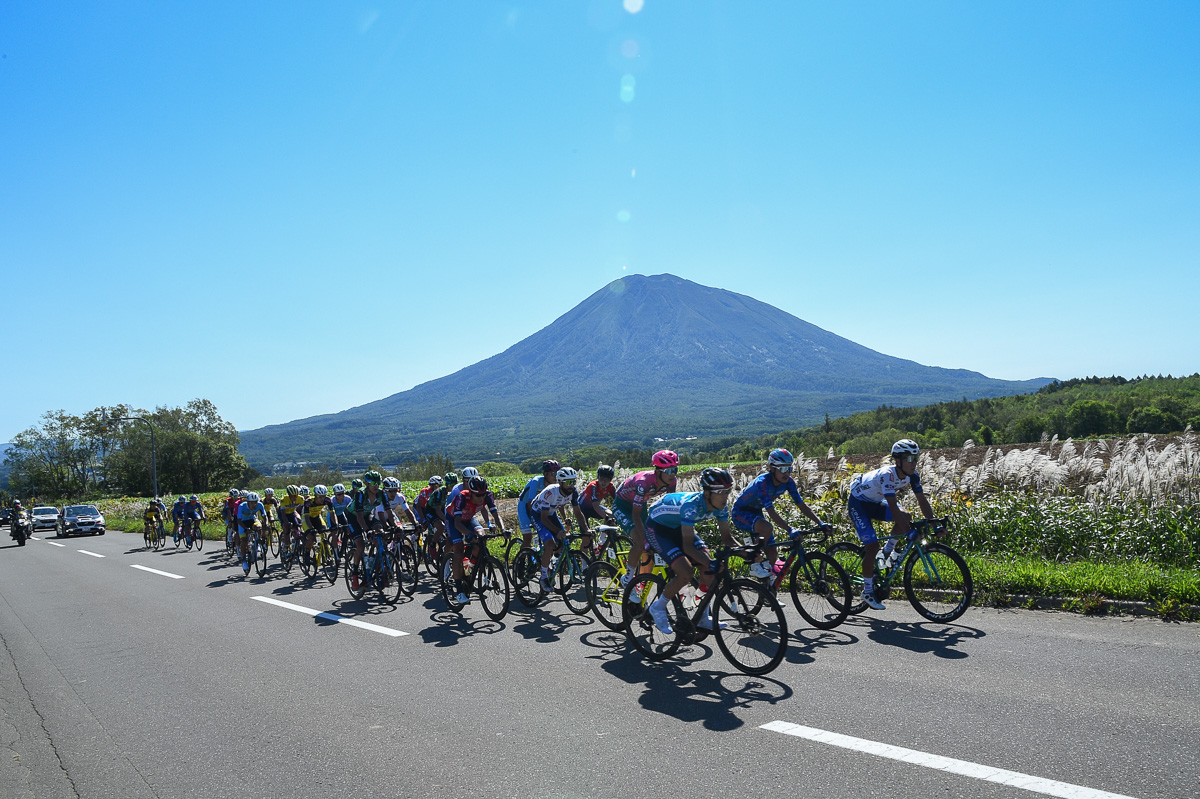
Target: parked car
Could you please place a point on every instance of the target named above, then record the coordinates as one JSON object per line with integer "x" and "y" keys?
{"x": 44, "y": 517}
{"x": 81, "y": 520}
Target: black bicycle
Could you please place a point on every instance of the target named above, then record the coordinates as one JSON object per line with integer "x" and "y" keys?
{"x": 484, "y": 575}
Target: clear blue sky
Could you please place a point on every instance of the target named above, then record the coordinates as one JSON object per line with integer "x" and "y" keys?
{"x": 375, "y": 195}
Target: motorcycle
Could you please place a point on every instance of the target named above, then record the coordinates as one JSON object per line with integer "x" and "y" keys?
{"x": 19, "y": 529}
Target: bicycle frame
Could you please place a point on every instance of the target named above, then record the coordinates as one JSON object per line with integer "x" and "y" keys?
{"x": 913, "y": 539}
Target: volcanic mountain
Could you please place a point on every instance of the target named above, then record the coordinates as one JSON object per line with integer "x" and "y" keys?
{"x": 675, "y": 359}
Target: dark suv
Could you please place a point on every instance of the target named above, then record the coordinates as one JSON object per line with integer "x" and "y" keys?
{"x": 81, "y": 520}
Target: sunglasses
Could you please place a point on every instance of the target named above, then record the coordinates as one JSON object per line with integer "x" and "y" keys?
{"x": 910, "y": 458}
{"x": 567, "y": 483}
{"x": 478, "y": 493}
{"x": 719, "y": 490}
{"x": 670, "y": 470}
{"x": 785, "y": 469}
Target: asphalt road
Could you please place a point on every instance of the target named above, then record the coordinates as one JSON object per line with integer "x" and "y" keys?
{"x": 119, "y": 682}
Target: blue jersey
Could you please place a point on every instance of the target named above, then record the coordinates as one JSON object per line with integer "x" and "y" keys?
{"x": 453, "y": 495}
{"x": 763, "y": 492}
{"x": 248, "y": 510}
{"x": 534, "y": 487}
{"x": 341, "y": 506}
{"x": 178, "y": 509}
{"x": 677, "y": 510}
{"x": 193, "y": 510}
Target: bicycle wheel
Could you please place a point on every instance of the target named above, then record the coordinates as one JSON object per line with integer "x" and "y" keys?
{"x": 754, "y": 642}
{"x": 939, "y": 583}
{"x": 491, "y": 581}
{"x": 849, "y": 557}
{"x": 356, "y": 580}
{"x": 571, "y": 583}
{"x": 407, "y": 568}
{"x": 527, "y": 577}
{"x": 388, "y": 577}
{"x": 147, "y": 541}
{"x": 189, "y": 537}
{"x": 820, "y": 590}
{"x": 274, "y": 538}
{"x": 176, "y": 537}
{"x": 432, "y": 555}
{"x": 511, "y": 549}
{"x": 260, "y": 551}
{"x": 652, "y": 642}
{"x": 308, "y": 561}
{"x": 604, "y": 594}
{"x": 329, "y": 564}
{"x": 448, "y": 588}
{"x": 199, "y": 537}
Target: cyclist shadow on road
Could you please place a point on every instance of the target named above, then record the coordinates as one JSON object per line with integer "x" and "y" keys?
{"x": 541, "y": 626}
{"x": 803, "y": 643}
{"x": 921, "y": 637}
{"x": 449, "y": 628}
{"x": 704, "y": 695}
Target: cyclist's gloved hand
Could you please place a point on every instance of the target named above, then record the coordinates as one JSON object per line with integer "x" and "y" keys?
{"x": 939, "y": 529}
{"x": 826, "y": 527}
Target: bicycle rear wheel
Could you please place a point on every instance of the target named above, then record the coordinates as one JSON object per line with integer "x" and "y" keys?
{"x": 199, "y": 537}
{"x": 820, "y": 590}
{"x": 433, "y": 554}
{"x": 356, "y": 580}
{"x": 571, "y": 583}
{"x": 527, "y": 577}
{"x": 407, "y": 568}
{"x": 329, "y": 564}
{"x": 259, "y": 551}
{"x": 652, "y": 642}
{"x": 491, "y": 581}
{"x": 604, "y": 594}
{"x": 448, "y": 587}
{"x": 939, "y": 584}
{"x": 849, "y": 557}
{"x": 754, "y": 642}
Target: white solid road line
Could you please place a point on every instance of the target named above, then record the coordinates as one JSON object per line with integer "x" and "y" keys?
{"x": 156, "y": 571}
{"x": 1014, "y": 779}
{"x": 331, "y": 617}
{"x": 52, "y": 543}
{"x": 93, "y": 554}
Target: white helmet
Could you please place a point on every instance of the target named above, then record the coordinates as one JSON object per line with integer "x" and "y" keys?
{"x": 304, "y": 491}
{"x": 338, "y": 488}
{"x": 270, "y": 492}
{"x": 566, "y": 473}
{"x": 252, "y": 497}
{"x": 468, "y": 473}
{"x": 321, "y": 491}
{"x": 906, "y": 446}
{"x": 391, "y": 482}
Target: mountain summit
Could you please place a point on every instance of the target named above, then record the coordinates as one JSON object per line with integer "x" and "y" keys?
{"x": 641, "y": 357}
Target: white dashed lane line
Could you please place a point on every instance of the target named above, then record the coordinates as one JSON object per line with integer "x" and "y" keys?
{"x": 330, "y": 616}
{"x": 156, "y": 571}
{"x": 53, "y": 543}
{"x": 1014, "y": 779}
{"x": 93, "y": 554}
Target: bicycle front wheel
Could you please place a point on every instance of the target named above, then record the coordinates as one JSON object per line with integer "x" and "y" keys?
{"x": 274, "y": 538}
{"x": 329, "y": 564}
{"x": 604, "y": 594}
{"x": 647, "y": 638}
{"x": 407, "y": 568}
{"x": 448, "y": 587}
{"x": 527, "y": 577}
{"x": 491, "y": 581}
{"x": 571, "y": 583}
{"x": 938, "y": 583}
{"x": 260, "y": 552}
{"x": 388, "y": 577}
{"x": 821, "y": 591}
{"x": 754, "y": 640}
{"x": 199, "y": 537}
{"x": 849, "y": 557}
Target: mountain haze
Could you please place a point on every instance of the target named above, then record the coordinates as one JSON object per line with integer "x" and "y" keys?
{"x": 641, "y": 357}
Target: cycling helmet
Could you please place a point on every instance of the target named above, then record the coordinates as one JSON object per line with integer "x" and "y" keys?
{"x": 566, "y": 475}
{"x": 338, "y": 488}
{"x": 195, "y": 498}
{"x": 182, "y": 498}
{"x": 270, "y": 492}
{"x": 233, "y": 492}
{"x": 665, "y": 459}
{"x": 252, "y": 497}
{"x": 477, "y": 484}
{"x": 451, "y": 478}
{"x": 151, "y": 504}
{"x": 712, "y": 478}
{"x": 357, "y": 484}
{"x": 605, "y": 472}
{"x": 469, "y": 472}
{"x": 435, "y": 481}
{"x": 780, "y": 457}
{"x": 293, "y": 490}
{"x": 906, "y": 446}
{"x": 390, "y": 483}
{"x": 16, "y": 503}
{"x": 373, "y": 477}
{"x": 321, "y": 491}
{"x": 304, "y": 491}
{"x": 551, "y": 465}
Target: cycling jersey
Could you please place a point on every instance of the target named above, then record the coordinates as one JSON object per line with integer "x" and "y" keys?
{"x": 150, "y": 514}
{"x": 193, "y": 510}
{"x": 592, "y": 492}
{"x": 248, "y": 510}
{"x": 882, "y": 483}
{"x": 291, "y": 504}
{"x": 466, "y": 506}
{"x": 531, "y": 490}
{"x": 679, "y": 509}
{"x": 385, "y": 506}
{"x": 365, "y": 503}
{"x": 552, "y": 498}
{"x": 316, "y": 506}
{"x": 178, "y": 509}
{"x": 762, "y": 493}
{"x": 452, "y": 495}
{"x": 422, "y": 498}
{"x": 341, "y": 506}
{"x": 641, "y": 487}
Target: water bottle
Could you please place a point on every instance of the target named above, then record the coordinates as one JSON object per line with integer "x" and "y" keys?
{"x": 602, "y": 538}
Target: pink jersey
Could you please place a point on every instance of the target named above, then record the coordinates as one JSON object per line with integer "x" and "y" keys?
{"x": 641, "y": 487}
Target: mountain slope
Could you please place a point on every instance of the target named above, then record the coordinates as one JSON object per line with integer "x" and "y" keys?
{"x": 675, "y": 358}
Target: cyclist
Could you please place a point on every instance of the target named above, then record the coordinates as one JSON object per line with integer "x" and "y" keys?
{"x": 457, "y": 488}
{"x": 873, "y": 498}
{"x": 462, "y": 525}
{"x": 550, "y": 528}
{"x": 177, "y": 512}
{"x": 269, "y": 502}
{"x": 316, "y": 508}
{"x": 592, "y": 496}
{"x": 429, "y": 508}
{"x": 341, "y": 510}
{"x": 671, "y": 532}
{"x": 629, "y": 505}
{"x": 532, "y": 488}
{"x": 229, "y": 512}
{"x": 193, "y": 514}
{"x": 152, "y": 518}
{"x": 757, "y": 502}
{"x": 365, "y": 502}
{"x": 390, "y": 502}
{"x": 249, "y": 513}
{"x": 290, "y": 509}
{"x": 162, "y": 509}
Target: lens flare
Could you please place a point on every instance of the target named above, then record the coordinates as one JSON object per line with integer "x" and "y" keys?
{"x": 629, "y": 48}
{"x": 633, "y": 6}
{"x": 623, "y": 215}
{"x": 628, "y": 84}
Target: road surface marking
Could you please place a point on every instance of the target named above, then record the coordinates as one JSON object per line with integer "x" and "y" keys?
{"x": 1014, "y": 779}
{"x": 93, "y": 554}
{"x": 53, "y": 543}
{"x": 331, "y": 617}
{"x": 156, "y": 571}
